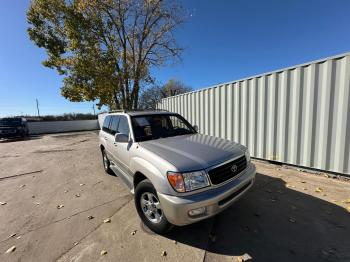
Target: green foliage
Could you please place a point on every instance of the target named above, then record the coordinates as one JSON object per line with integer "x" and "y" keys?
{"x": 104, "y": 49}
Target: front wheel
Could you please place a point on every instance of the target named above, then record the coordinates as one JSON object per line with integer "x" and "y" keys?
{"x": 149, "y": 208}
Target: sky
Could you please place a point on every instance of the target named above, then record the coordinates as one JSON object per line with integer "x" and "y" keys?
{"x": 224, "y": 40}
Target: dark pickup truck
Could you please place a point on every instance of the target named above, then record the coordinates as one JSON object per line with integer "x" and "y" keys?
{"x": 13, "y": 127}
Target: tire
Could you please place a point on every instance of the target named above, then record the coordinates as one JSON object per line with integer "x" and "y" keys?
{"x": 106, "y": 163}
{"x": 156, "y": 220}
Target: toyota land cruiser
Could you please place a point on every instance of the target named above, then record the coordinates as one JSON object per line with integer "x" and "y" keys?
{"x": 177, "y": 175}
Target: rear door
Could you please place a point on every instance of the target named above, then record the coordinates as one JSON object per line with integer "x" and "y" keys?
{"x": 112, "y": 130}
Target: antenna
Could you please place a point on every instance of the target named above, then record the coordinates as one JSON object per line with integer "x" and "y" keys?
{"x": 37, "y": 106}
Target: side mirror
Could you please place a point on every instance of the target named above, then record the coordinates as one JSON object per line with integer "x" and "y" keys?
{"x": 121, "y": 138}
{"x": 195, "y": 128}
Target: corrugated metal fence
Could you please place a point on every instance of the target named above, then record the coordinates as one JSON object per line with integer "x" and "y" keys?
{"x": 62, "y": 126}
{"x": 298, "y": 115}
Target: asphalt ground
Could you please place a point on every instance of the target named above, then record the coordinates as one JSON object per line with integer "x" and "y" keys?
{"x": 55, "y": 197}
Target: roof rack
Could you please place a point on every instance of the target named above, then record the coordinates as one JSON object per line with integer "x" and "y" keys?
{"x": 117, "y": 111}
{"x": 136, "y": 110}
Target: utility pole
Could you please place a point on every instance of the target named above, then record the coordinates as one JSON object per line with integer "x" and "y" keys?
{"x": 37, "y": 106}
{"x": 93, "y": 107}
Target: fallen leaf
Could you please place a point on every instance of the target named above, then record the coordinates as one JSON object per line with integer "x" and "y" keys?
{"x": 164, "y": 253}
{"x": 318, "y": 190}
{"x": 19, "y": 237}
{"x": 107, "y": 220}
{"x": 11, "y": 249}
{"x": 77, "y": 195}
{"x": 22, "y": 186}
{"x": 103, "y": 252}
{"x": 303, "y": 182}
{"x": 65, "y": 191}
{"x": 133, "y": 232}
{"x": 82, "y": 184}
{"x": 292, "y": 220}
{"x": 37, "y": 203}
{"x": 90, "y": 217}
{"x": 60, "y": 206}
{"x": 12, "y": 235}
{"x": 245, "y": 257}
{"x": 3, "y": 203}
{"x": 75, "y": 243}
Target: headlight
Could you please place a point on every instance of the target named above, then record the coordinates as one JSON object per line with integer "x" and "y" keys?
{"x": 247, "y": 155}
{"x": 185, "y": 182}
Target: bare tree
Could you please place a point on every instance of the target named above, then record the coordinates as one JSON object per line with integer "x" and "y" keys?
{"x": 152, "y": 96}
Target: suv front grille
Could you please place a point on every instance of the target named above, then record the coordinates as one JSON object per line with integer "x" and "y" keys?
{"x": 225, "y": 172}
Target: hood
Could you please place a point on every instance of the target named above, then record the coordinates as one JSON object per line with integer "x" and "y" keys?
{"x": 193, "y": 152}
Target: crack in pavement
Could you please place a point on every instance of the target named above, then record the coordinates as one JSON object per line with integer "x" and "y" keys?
{"x": 23, "y": 174}
{"x": 53, "y": 151}
{"x": 68, "y": 217}
{"x": 90, "y": 232}
{"x": 209, "y": 240}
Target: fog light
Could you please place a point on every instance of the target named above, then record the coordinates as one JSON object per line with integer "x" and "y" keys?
{"x": 197, "y": 211}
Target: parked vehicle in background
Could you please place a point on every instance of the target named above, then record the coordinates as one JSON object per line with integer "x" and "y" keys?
{"x": 13, "y": 127}
{"x": 178, "y": 176}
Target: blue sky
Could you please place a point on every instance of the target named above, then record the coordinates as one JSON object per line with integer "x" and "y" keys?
{"x": 224, "y": 40}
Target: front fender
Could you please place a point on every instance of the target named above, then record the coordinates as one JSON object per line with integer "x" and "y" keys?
{"x": 159, "y": 180}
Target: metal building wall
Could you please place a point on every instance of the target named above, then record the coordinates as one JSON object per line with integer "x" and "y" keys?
{"x": 298, "y": 115}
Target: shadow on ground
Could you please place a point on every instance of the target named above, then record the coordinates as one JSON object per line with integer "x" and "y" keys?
{"x": 274, "y": 223}
{"x": 19, "y": 139}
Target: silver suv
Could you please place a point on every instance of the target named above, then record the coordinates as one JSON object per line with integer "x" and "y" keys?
{"x": 178, "y": 176}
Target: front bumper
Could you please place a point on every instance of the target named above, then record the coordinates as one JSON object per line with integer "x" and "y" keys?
{"x": 176, "y": 208}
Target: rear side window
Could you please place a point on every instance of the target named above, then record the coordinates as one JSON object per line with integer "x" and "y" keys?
{"x": 105, "y": 126}
{"x": 123, "y": 125}
{"x": 114, "y": 124}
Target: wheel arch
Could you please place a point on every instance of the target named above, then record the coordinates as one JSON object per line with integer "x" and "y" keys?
{"x": 138, "y": 177}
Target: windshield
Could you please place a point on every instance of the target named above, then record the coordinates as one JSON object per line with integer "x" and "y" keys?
{"x": 10, "y": 122}
{"x": 149, "y": 127}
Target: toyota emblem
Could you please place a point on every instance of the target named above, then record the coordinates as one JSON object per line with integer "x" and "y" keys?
{"x": 234, "y": 168}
